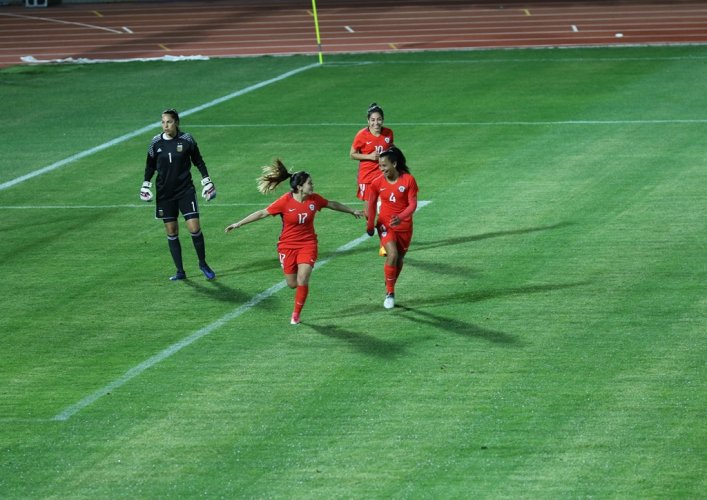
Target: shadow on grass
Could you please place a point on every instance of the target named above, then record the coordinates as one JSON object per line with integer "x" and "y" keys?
{"x": 371, "y": 345}
{"x": 250, "y": 267}
{"x": 361, "y": 342}
{"x": 217, "y": 291}
{"x": 465, "y": 297}
{"x": 457, "y": 297}
{"x": 457, "y": 327}
{"x": 423, "y": 245}
{"x": 442, "y": 268}
{"x": 470, "y": 296}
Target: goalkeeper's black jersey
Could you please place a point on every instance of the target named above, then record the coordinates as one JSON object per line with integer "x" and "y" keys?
{"x": 172, "y": 159}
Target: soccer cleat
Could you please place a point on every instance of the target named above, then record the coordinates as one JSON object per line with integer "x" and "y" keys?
{"x": 180, "y": 275}
{"x": 382, "y": 252}
{"x": 208, "y": 272}
{"x": 295, "y": 319}
{"x": 389, "y": 301}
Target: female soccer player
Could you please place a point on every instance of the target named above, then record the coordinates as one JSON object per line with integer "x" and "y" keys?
{"x": 397, "y": 191}
{"x": 171, "y": 154}
{"x": 368, "y": 144}
{"x": 297, "y": 246}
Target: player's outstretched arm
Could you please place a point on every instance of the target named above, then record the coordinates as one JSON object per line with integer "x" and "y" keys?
{"x": 255, "y": 216}
{"x": 340, "y": 207}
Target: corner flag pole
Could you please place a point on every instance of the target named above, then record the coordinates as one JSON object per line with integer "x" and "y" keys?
{"x": 316, "y": 28}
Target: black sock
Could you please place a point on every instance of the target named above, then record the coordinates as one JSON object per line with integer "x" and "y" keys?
{"x": 175, "y": 248}
{"x": 199, "y": 246}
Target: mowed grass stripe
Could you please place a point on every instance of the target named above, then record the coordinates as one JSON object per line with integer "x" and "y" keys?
{"x": 136, "y": 133}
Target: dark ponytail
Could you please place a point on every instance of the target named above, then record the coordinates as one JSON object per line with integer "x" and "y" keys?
{"x": 397, "y": 157}
{"x": 173, "y": 113}
{"x": 374, "y": 108}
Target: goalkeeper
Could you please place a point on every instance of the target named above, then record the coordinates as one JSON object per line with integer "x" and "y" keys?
{"x": 172, "y": 153}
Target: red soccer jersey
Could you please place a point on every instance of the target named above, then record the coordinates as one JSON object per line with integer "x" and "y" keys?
{"x": 395, "y": 198}
{"x": 297, "y": 219}
{"x": 365, "y": 142}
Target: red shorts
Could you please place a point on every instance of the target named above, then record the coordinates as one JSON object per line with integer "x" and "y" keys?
{"x": 402, "y": 239}
{"x": 291, "y": 257}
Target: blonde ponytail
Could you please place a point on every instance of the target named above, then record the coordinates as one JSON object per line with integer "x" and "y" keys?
{"x": 272, "y": 175}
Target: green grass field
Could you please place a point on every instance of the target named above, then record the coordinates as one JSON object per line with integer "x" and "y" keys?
{"x": 549, "y": 338}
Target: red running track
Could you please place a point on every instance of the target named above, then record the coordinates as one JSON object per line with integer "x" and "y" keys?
{"x": 256, "y": 27}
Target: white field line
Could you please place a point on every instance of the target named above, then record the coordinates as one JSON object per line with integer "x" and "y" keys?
{"x": 461, "y": 124}
{"x": 123, "y": 138}
{"x": 178, "y": 346}
{"x": 166, "y": 353}
{"x": 150, "y": 127}
{"x": 531, "y": 60}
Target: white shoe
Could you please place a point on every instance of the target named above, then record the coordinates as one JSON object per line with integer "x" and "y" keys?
{"x": 389, "y": 301}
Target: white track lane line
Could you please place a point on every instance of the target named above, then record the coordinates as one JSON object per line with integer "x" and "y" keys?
{"x": 127, "y": 205}
{"x": 59, "y": 21}
{"x": 152, "y": 126}
{"x": 72, "y": 410}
